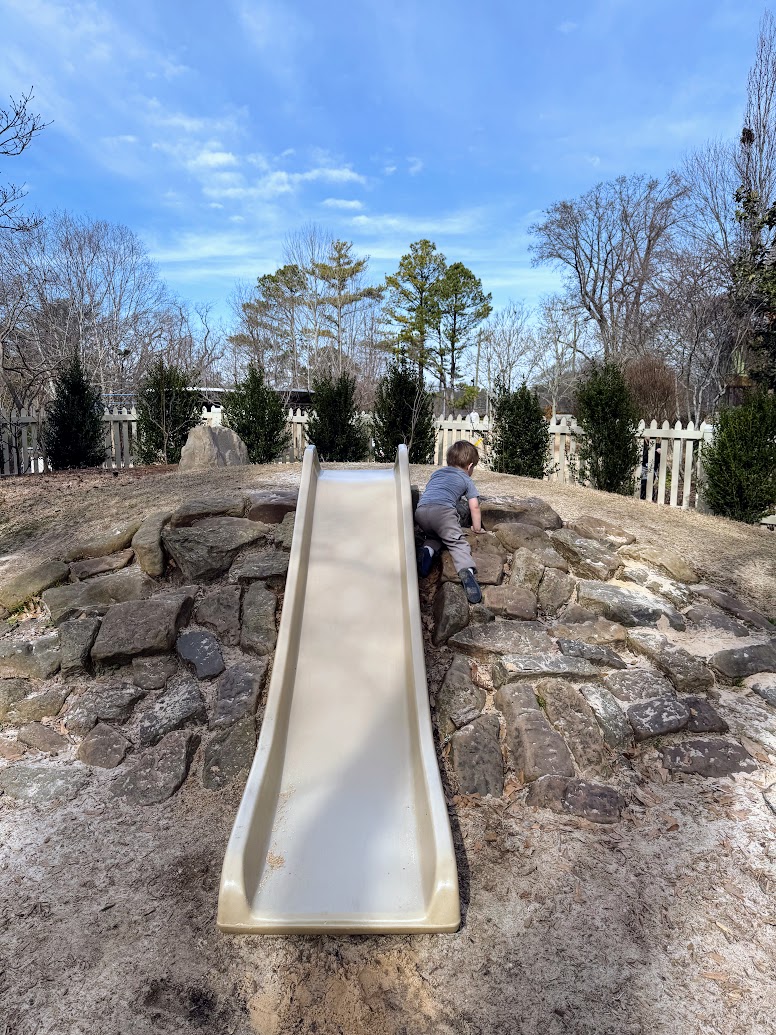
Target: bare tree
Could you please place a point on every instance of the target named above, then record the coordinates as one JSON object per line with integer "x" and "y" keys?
{"x": 18, "y": 126}
{"x": 562, "y": 343}
{"x": 505, "y": 348}
{"x": 756, "y": 156}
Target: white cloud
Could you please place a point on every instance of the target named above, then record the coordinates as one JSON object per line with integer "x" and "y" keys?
{"x": 464, "y": 222}
{"x": 213, "y": 159}
{"x": 389, "y": 170}
{"x": 567, "y": 27}
{"x": 343, "y": 203}
{"x": 415, "y": 166}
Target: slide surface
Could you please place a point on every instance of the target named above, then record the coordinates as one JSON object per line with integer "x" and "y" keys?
{"x": 343, "y": 825}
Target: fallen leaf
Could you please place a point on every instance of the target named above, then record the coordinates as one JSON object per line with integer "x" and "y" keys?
{"x": 714, "y": 975}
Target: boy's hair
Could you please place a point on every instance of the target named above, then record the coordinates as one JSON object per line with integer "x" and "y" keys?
{"x": 461, "y": 454}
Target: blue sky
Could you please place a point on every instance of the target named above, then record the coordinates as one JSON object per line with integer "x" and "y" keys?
{"x": 214, "y": 129}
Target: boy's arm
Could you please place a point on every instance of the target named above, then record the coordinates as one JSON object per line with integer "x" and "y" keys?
{"x": 474, "y": 510}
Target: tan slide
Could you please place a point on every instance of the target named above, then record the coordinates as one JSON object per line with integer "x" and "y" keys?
{"x": 343, "y": 826}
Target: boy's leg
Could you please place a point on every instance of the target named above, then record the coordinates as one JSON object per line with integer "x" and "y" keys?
{"x": 448, "y": 528}
{"x": 431, "y": 544}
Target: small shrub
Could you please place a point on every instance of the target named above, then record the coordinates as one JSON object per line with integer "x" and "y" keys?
{"x": 403, "y": 412}
{"x": 520, "y": 443}
{"x": 609, "y": 450}
{"x": 740, "y": 465}
{"x": 167, "y": 409}
{"x": 74, "y": 435}
{"x": 335, "y": 426}
{"x": 258, "y": 416}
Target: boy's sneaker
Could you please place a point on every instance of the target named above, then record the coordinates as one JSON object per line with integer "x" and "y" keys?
{"x": 470, "y": 585}
{"x": 425, "y": 561}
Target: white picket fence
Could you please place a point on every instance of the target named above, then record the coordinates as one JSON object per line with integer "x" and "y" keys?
{"x": 673, "y": 469}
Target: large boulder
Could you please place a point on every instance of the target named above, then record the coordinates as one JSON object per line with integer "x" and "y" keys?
{"x": 616, "y": 729}
{"x": 206, "y": 550}
{"x": 214, "y": 446}
{"x": 591, "y": 527}
{"x": 31, "y": 583}
{"x": 519, "y": 535}
{"x": 588, "y": 558}
{"x": 661, "y": 557}
{"x": 531, "y": 511}
{"x": 489, "y": 558}
{"x": 627, "y": 606}
{"x": 97, "y": 595}
{"x": 675, "y": 592}
{"x": 177, "y": 707}
{"x": 150, "y": 627}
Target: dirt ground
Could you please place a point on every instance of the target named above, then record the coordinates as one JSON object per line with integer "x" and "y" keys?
{"x": 664, "y": 923}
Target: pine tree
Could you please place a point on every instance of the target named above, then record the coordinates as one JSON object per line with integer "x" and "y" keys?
{"x": 520, "y": 440}
{"x": 74, "y": 435}
{"x": 257, "y": 414}
{"x": 403, "y": 412}
{"x": 167, "y": 409}
{"x": 740, "y": 464}
{"x": 335, "y": 426}
{"x": 609, "y": 450}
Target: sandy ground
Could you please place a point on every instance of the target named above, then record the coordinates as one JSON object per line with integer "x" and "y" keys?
{"x": 665, "y": 923}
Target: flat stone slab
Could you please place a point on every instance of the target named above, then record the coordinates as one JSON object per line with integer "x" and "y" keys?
{"x": 43, "y": 783}
{"x": 201, "y": 651}
{"x": 228, "y": 753}
{"x": 114, "y": 539}
{"x": 237, "y": 693}
{"x": 527, "y": 570}
{"x": 260, "y": 564}
{"x": 588, "y": 558}
{"x": 615, "y": 728}
{"x": 739, "y": 662}
{"x": 594, "y": 802}
{"x": 81, "y": 570}
{"x": 510, "y": 667}
{"x": 591, "y": 527}
{"x": 629, "y": 607}
{"x": 31, "y": 583}
{"x": 475, "y": 757}
{"x": 486, "y": 642}
{"x": 686, "y": 673}
{"x": 489, "y": 559}
{"x": 147, "y": 543}
{"x": 571, "y": 715}
{"x": 258, "y": 633}
{"x": 271, "y": 506}
{"x": 206, "y": 550}
{"x": 710, "y": 758}
{"x": 535, "y": 748}
{"x": 555, "y": 591}
{"x": 159, "y": 771}
{"x": 764, "y": 685}
{"x": 595, "y": 653}
{"x": 510, "y": 602}
{"x": 531, "y": 510}
{"x": 176, "y": 708}
{"x": 42, "y": 738}
{"x": 458, "y": 700}
{"x": 637, "y": 684}
{"x": 102, "y": 703}
{"x": 516, "y": 535}
{"x": 103, "y": 747}
{"x": 95, "y": 596}
{"x": 704, "y": 718}
{"x": 220, "y": 612}
{"x": 22, "y": 701}
{"x": 38, "y": 659}
{"x": 657, "y": 717}
{"x": 451, "y": 611}
{"x": 710, "y": 618}
{"x": 218, "y": 506}
{"x": 76, "y": 638}
{"x": 595, "y": 629}
{"x": 662, "y": 558}
{"x": 734, "y": 607}
{"x": 150, "y": 627}
{"x": 674, "y": 592}
{"x": 153, "y": 673}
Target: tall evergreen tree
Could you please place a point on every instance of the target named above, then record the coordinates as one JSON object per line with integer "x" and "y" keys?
{"x": 458, "y": 307}
{"x": 403, "y": 412}
{"x": 340, "y": 273}
{"x": 335, "y": 426}
{"x": 520, "y": 440}
{"x": 167, "y": 409}
{"x": 258, "y": 416}
{"x": 740, "y": 464}
{"x": 609, "y": 450}
{"x": 411, "y": 299}
{"x": 75, "y": 434}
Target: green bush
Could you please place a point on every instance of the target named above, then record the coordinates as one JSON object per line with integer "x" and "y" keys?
{"x": 609, "y": 450}
{"x": 75, "y": 433}
{"x": 167, "y": 410}
{"x": 258, "y": 416}
{"x": 335, "y": 426}
{"x": 403, "y": 412}
{"x": 520, "y": 441}
{"x": 740, "y": 464}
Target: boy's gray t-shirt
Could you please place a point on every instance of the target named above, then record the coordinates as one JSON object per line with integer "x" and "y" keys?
{"x": 446, "y": 486}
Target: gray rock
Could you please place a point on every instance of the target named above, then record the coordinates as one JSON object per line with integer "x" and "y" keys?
{"x": 80, "y": 570}
{"x": 220, "y": 611}
{"x": 112, "y": 703}
{"x": 674, "y": 592}
{"x": 42, "y": 738}
{"x": 658, "y": 716}
{"x": 486, "y": 642}
{"x": 159, "y": 771}
{"x": 150, "y": 627}
{"x": 43, "y": 783}
{"x": 531, "y": 510}
{"x": 527, "y": 570}
{"x": 117, "y": 538}
{"x": 202, "y": 653}
{"x": 30, "y": 704}
{"x": 489, "y": 559}
{"x": 212, "y": 446}
{"x": 710, "y": 618}
{"x": 480, "y": 615}
{"x": 458, "y": 700}
{"x": 515, "y": 536}
{"x": 31, "y": 583}
{"x": 629, "y": 607}
{"x": 147, "y": 543}
{"x": 272, "y": 506}
{"x": 237, "y": 693}
{"x": 616, "y": 729}
{"x": 76, "y": 639}
{"x": 176, "y": 708}
{"x": 704, "y": 718}
{"x": 451, "y": 611}
{"x": 510, "y": 602}
{"x": 97, "y": 595}
{"x": 282, "y": 534}
{"x": 228, "y": 753}
{"x": 206, "y": 550}
{"x": 574, "y": 719}
{"x": 260, "y": 564}
{"x": 535, "y": 748}
{"x": 688, "y": 674}
{"x": 734, "y": 607}
{"x": 195, "y": 510}
{"x": 11, "y": 692}
{"x": 708, "y": 758}
{"x": 763, "y": 684}
{"x": 258, "y": 632}
{"x": 588, "y": 558}
{"x": 38, "y": 659}
{"x": 104, "y": 747}
{"x": 637, "y": 684}
{"x": 154, "y": 672}
{"x": 595, "y": 653}
{"x": 739, "y": 662}
{"x": 661, "y": 557}
{"x": 594, "y": 802}
{"x": 475, "y": 756}
{"x": 555, "y": 590}
{"x": 510, "y": 667}
{"x": 591, "y": 527}
{"x": 592, "y": 630}
{"x": 11, "y": 750}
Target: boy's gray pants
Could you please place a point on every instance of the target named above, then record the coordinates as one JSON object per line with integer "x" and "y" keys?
{"x": 441, "y": 525}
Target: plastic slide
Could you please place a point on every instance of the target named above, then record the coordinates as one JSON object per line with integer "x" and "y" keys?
{"x": 343, "y": 825}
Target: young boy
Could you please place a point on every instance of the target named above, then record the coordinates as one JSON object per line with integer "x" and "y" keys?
{"x": 437, "y": 516}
